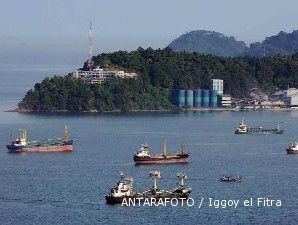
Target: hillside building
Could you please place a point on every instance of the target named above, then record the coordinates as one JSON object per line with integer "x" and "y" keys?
{"x": 98, "y": 75}
{"x": 217, "y": 85}
{"x": 225, "y": 101}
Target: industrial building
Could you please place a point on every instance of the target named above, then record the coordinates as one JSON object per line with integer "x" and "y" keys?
{"x": 217, "y": 85}
{"x": 197, "y": 98}
{"x": 289, "y": 97}
{"x": 225, "y": 101}
{"x": 98, "y": 75}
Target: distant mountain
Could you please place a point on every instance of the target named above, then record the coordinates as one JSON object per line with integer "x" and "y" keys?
{"x": 210, "y": 42}
{"x": 282, "y": 43}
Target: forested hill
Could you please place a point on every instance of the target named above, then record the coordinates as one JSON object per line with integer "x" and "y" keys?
{"x": 214, "y": 43}
{"x": 208, "y": 42}
{"x": 282, "y": 43}
{"x": 160, "y": 73}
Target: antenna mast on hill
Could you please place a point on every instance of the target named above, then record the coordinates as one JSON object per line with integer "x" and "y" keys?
{"x": 90, "y": 62}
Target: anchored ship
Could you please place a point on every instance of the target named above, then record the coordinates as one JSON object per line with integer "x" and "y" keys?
{"x": 143, "y": 156}
{"x": 245, "y": 129}
{"x": 60, "y": 144}
{"x": 124, "y": 190}
{"x": 293, "y": 148}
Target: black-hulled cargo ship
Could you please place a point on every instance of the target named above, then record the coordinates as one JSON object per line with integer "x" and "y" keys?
{"x": 143, "y": 156}
{"x": 124, "y": 190}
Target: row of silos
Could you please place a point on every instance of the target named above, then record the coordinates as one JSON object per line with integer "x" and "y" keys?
{"x": 197, "y": 98}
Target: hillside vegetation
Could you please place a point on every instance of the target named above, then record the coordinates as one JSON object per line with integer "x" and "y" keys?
{"x": 161, "y": 72}
{"x": 214, "y": 43}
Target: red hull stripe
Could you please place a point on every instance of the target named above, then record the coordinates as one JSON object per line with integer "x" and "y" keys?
{"x": 46, "y": 149}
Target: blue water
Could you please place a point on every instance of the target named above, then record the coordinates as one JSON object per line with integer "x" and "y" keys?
{"x": 69, "y": 188}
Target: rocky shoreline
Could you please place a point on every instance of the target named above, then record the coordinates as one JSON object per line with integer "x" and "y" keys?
{"x": 18, "y": 110}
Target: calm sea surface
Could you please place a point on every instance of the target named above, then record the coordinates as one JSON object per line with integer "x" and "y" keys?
{"x": 69, "y": 188}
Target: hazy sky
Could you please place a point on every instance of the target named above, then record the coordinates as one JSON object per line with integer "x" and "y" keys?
{"x": 127, "y": 24}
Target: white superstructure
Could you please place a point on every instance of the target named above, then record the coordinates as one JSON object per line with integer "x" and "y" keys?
{"x": 98, "y": 75}
{"x": 124, "y": 187}
{"x": 293, "y": 148}
{"x": 143, "y": 151}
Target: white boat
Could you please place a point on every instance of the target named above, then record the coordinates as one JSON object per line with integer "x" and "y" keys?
{"x": 242, "y": 128}
{"x": 293, "y": 148}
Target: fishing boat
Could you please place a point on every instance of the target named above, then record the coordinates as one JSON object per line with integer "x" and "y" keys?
{"x": 59, "y": 144}
{"x": 124, "y": 190}
{"x": 143, "y": 156}
{"x": 231, "y": 178}
{"x": 293, "y": 148}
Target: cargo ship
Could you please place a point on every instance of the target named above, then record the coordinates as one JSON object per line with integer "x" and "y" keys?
{"x": 293, "y": 148}
{"x": 124, "y": 190}
{"x": 59, "y": 144}
{"x": 143, "y": 156}
{"x": 245, "y": 129}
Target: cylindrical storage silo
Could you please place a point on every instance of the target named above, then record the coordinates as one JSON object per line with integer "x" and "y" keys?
{"x": 197, "y": 100}
{"x": 189, "y": 98}
{"x": 181, "y": 98}
{"x": 205, "y": 98}
{"x": 213, "y": 99}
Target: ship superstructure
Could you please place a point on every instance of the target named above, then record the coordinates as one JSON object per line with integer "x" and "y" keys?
{"x": 293, "y": 148}
{"x": 22, "y": 144}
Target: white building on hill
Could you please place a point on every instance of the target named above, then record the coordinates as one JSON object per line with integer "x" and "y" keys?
{"x": 98, "y": 75}
{"x": 217, "y": 85}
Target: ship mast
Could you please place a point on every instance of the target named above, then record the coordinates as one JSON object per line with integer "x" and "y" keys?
{"x": 23, "y": 134}
{"x": 155, "y": 175}
{"x": 165, "y": 147}
{"x": 66, "y": 136}
{"x": 181, "y": 177}
{"x": 183, "y": 148}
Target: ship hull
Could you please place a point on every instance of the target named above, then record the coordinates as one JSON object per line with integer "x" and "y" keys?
{"x": 260, "y": 131}
{"x": 67, "y": 147}
{"x": 291, "y": 151}
{"x": 161, "y": 160}
{"x": 118, "y": 200}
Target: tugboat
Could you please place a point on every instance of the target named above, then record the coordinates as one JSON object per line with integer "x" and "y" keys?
{"x": 231, "y": 178}
{"x": 293, "y": 148}
{"x": 21, "y": 144}
{"x": 124, "y": 190}
{"x": 245, "y": 129}
{"x": 143, "y": 156}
